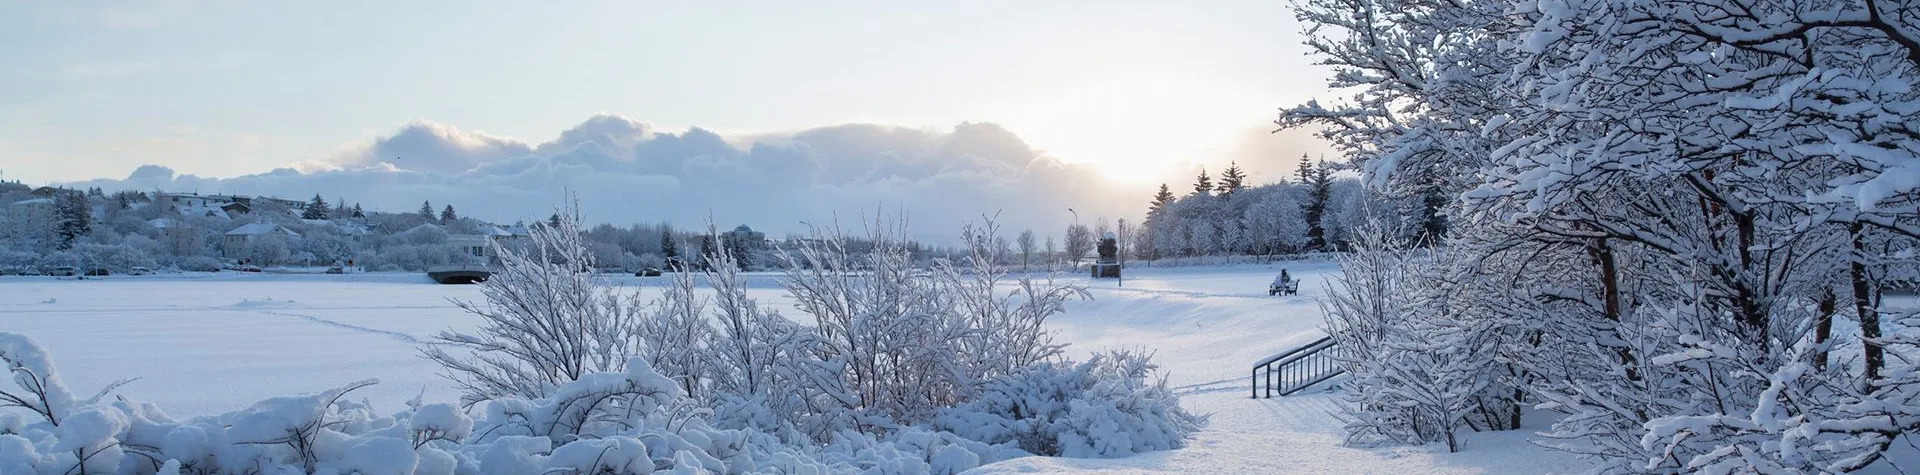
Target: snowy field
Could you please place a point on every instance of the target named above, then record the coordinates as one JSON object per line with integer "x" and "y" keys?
{"x": 217, "y": 342}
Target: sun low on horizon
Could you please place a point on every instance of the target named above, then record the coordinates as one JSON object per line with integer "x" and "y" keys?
{"x": 1140, "y": 129}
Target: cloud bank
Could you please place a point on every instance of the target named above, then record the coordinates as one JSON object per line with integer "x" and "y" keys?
{"x": 626, "y": 171}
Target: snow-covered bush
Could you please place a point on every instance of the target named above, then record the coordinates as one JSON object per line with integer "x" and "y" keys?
{"x": 119, "y": 257}
{"x": 543, "y": 323}
{"x": 1111, "y": 405}
{"x": 196, "y": 264}
{"x": 1422, "y": 364}
{"x": 905, "y": 345}
{"x": 890, "y": 349}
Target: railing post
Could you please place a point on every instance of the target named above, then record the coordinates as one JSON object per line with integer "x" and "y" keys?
{"x": 1255, "y": 377}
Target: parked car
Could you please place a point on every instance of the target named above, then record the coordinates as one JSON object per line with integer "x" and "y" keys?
{"x": 14, "y": 271}
{"x": 63, "y": 271}
{"x": 98, "y": 272}
{"x": 647, "y": 272}
{"x": 140, "y": 271}
{"x": 336, "y": 270}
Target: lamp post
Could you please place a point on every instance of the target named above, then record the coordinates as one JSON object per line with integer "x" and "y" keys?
{"x": 1075, "y": 260}
{"x": 1120, "y": 254}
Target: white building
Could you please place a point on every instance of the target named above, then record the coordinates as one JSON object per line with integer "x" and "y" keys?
{"x": 237, "y": 240}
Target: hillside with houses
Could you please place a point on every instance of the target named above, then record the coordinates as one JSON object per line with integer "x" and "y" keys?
{"x": 52, "y": 227}
{"x": 49, "y": 227}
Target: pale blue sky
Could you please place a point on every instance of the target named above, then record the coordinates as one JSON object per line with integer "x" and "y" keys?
{"x": 94, "y": 89}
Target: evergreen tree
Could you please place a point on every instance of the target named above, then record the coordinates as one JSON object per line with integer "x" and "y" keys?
{"x": 447, "y": 216}
{"x": 74, "y": 215}
{"x": 1305, "y": 172}
{"x": 357, "y": 212}
{"x": 1161, "y": 199}
{"x": 741, "y": 252}
{"x": 1319, "y": 183}
{"x": 554, "y": 220}
{"x": 669, "y": 247}
{"x": 426, "y": 212}
{"x": 316, "y": 209}
{"x": 1431, "y": 226}
{"x": 1232, "y": 179}
{"x": 122, "y": 202}
{"x": 1204, "y": 185}
{"x": 709, "y": 252}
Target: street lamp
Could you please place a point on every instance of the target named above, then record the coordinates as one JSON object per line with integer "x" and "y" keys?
{"x": 1076, "y": 224}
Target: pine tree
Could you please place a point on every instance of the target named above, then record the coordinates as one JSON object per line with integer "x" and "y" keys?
{"x": 1319, "y": 182}
{"x": 316, "y": 209}
{"x": 1204, "y": 185}
{"x": 426, "y": 212}
{"x": 1161, "y": 199}
{"x": 669, "y": 247}
{"x": 708, "y": 252}
{"x": 1305, "y": 172}
{"x": 1433, "y": 219}
{"x": 357, "y": 212}
{"x": 74, "y": 215}
{"x": 447, "y": 216}
{"x": 741, "y": 253}
{"x": 554, "y": 220}
{"x": 1232, "y": 179}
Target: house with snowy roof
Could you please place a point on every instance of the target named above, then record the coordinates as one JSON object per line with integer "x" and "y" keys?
{"x": 236, "y": 241}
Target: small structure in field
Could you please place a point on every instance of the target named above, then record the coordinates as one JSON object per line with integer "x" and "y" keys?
{"x": 1108, "y": 265}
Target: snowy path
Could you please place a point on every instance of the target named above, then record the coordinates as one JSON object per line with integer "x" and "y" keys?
{"x": 1207, "y": 326}
{"x": 207, "y": 344}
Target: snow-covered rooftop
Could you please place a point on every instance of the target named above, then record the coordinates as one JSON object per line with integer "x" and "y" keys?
{"x": 257, "y": 229}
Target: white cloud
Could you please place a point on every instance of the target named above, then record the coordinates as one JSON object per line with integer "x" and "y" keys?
{"x": 625, "y": 171}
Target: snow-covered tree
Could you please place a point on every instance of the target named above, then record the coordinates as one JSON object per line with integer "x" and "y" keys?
{"x": 1027, "y": 247}
{"x": 1681, "y": 194}
{"x": 1079, "y": 243}
{"x": 316, "y": 209}
{"x": 73, "y": 218}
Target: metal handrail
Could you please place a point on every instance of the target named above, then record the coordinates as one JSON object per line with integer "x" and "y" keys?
{"x": 1296, "y": 369}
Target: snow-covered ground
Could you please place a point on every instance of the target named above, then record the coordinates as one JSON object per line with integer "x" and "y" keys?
{"x": 216, "y": 342}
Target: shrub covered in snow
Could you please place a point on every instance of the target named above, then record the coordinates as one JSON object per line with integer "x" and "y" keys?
{"x": 1108, "y": 406}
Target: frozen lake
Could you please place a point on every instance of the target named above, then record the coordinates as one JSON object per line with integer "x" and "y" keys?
{"x": 208, "y": 343}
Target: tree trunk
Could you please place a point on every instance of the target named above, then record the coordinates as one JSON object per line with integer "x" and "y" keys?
{"x": 1610, "y": 298}
{"x": 1863, "y": 307}
{"x": 1823, "y": 329}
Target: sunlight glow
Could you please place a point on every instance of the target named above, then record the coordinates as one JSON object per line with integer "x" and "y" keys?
{"x": 1139, "y": 130}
